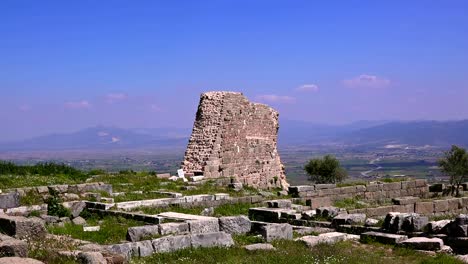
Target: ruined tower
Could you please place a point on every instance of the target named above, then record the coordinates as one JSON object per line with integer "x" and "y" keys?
{"x": 235, "y": 138}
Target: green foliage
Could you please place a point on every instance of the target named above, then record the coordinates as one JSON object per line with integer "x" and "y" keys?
{"x": 242, "y": 240}
{"x": 296, "y": 252}
{"x": 54, "y": 205}
{"x": 113, "y": 229}
{"x": 31, "y": 198}
{"x": 47, "y": 168}
{"x": 350, "y": 203}
{"x": 325, "y": 170}
{"x": 455, "y": 164}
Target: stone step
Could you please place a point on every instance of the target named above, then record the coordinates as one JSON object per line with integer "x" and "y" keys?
{"x": 383, "y": 238}
{"x": 423, "y": 243}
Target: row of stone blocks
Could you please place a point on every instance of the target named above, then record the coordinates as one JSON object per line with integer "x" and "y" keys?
{"x": 206, "y": 200}
{"x": 228, "y": 224}
{"x": 369, "y": 192}
{"x": 171, "y": 243}
{"x": 11, "y": 197}
{"x": 435, "y": 207}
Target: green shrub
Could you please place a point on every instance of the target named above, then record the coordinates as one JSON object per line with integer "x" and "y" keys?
{"x": 55, "y": 206}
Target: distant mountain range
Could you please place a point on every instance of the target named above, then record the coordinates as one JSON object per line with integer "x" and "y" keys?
{"x": 376, "y": 133}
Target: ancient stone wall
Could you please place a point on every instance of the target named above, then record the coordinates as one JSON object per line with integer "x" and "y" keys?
{"x": 235, "y": 138}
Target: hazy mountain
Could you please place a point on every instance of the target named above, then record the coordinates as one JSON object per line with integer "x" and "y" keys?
{"x": 420, "y": 133}
{"x": 291, "y": 133}
{"x": 104, "y": 138}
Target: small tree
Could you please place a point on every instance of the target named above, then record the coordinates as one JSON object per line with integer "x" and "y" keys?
{"x": 326, "y": 170}
{"x": 455, "y": 164}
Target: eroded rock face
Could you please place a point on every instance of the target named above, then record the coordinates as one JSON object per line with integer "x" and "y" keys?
{"x": 235, "y": 138}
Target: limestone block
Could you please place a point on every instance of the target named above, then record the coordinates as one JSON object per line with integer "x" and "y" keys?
{"x": 173, "y": 228}
{"x": 217, "y": 239}
{"x": 405, "y": 200}
{"x": 420, "y": 183}
{"x": 11, "y": 247}
{"x": 324, "y": 186}
{"x": 18, "y": 260}
{"x": 171, "y": 243}
{"x": 423, "y": 243}
{"x": 440, "y": 206}
{"x": 383, "y": 238}
{"x": 392, "y": 186}
{"x": 9, "y": 200}
{"x": 22, "y": 227}
{"x": 424, "y": 208}
{"x": 272, "y": 232}
{"x": 454, "y": 204}
{"x": 91, "y": 258}
{"x": 348, "y": 219}
{"x": 234, "y": 224}
{"x": 260, "y": 246}
{"x": 438, "y": 227}
{"x": 203, "y": 226}
{"x": 138, "y": 233}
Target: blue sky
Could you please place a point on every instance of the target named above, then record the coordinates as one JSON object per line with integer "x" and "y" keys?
{"x": 67, "y": 65}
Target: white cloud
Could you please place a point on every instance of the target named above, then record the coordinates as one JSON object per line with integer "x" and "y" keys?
{"x": 273, "y": 98}
{"x": 83, "y": 104}
{"x": 154, "y": 108}
{"x": 366, "y": 81}
{"x": 115, "y": 97}
{"x": 308, "y": 88}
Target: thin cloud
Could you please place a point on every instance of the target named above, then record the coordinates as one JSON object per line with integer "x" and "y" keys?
{"x": 366, "y": 81}
{"x": 273, "y": 98}
{"x": 155, "y": 108}
{"x": 308, "y": 88}
{"x": 115, "y": 97}
{"x": 24, "y": 108}
{"x": 83, "y": 104}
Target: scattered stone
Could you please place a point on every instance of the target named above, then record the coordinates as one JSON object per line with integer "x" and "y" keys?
{"x": 235, "y": 224}
{"x": 217, "y": 239}
{"x": 266, "y": 194}
{"x": 188, "y": 188}
{"x": 11, "y": 247}
{"x": 91, "y": 258}
{"x": 91, "y": 228}
{"x": 79, "y": 221}
{"x": 171, "y": 243}
{"x": 50, "y": 219}
{"x": 107, "y": 200}
{"x": 173, "y": 228}
{"x": 279, "y": 203}
{"x": 208, "y": 211}
{"x": 328, "y": 238}
{"x": 382, "y": 238}
{"x": 423, "y": 243}
{"x": 371, "y": 222}
{"x": 348, "y": 219}
{"x": 260, "y": 246}
{"x": 236, "y": 186}
{"x": 21, "y": 227}
{"x": 174, "y": 178}
{"x": 76, "y": 208}
{"x": 203, "y": 226}
{"x": 283, "y": 193}
{"x": 164, "y": 175}
{"x": 18, "y": 260}
{"x": 9, "y": 200}
{"x": 70, "y": 197}
{"x": 328, "y": 211}
{"x": 438, "y": 227}
{"x": 272, "y": 232}
{"x": 138, "y": 233}
{"x": 65, "y": 219}
{"x": 197, "y": 178}
{"x": 309, "y": 214}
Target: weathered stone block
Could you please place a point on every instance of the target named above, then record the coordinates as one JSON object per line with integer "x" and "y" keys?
{"x": 319, "y": 202}
{"x": 424, "y": 208}
{"x": 348, "y": 219}
{"x": 284, "y": 203}
{"x": 22, "y": 227}
{"x": 423, "y": 243}
{"x": 405, "y": 200}
{"x": 392, "y": 186}
{"x": 217, "y": 239}
{"x": 91, "y": 258}
{"x": 324, "y": 186}
{"x": 234, "y": 224}
{"x": 171, "y": 243}
{"x": 272, "y": 232}
{"x": 138, "y": 233}
{"x": 440, "y": 206}
{"x": 11, "y": 247}
{"x": 383, "y": 238}
{"x": 9, "y": 200}
{"x": 203, "y": 226}
{"x": 173, "y": 228}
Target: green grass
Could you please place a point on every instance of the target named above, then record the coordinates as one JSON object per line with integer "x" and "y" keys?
{"x": 113, "y": 229}
{"x": 296, "y": 252}
{"x": 31, "y": 198}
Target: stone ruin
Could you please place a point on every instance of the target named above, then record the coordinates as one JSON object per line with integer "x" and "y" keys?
{"x": 235, "y": 138}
